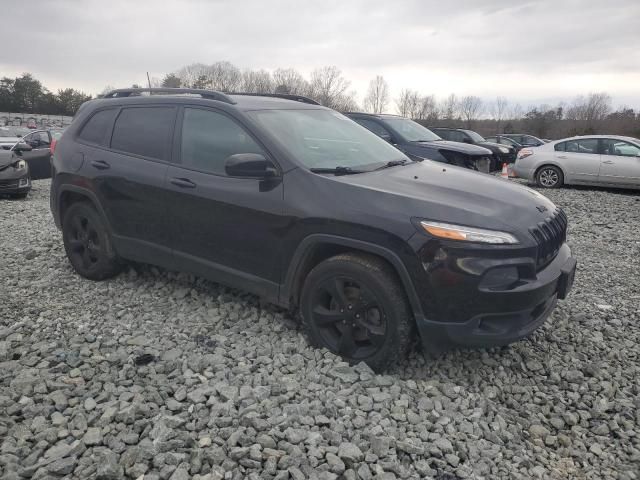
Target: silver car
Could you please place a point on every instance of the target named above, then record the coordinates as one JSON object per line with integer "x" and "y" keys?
{"x": 607, "y": 160}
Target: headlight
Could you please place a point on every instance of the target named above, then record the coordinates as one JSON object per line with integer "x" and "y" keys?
{"x": 21, "y": 165}
{"x": 468, "y": 234}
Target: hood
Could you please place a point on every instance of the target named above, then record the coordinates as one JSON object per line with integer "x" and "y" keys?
{"x": 431, "y": 190}
{"x": 7, "y": 158}
{"x": 455, "y": 147}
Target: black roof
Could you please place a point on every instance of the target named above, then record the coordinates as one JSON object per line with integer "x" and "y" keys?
{"x": 242, "y": 101}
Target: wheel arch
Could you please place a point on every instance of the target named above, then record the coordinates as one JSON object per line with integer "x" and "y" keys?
{"x": 550, "y": 163}
{"x": 319, "y": 247}
{"x": 70, "y": 194}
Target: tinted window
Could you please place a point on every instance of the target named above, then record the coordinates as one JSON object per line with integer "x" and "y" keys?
{"x": 144, "y": 131}
{"x": 374, "y": 127}
{"x": 560, "y": 147}
{"x": 611, "y": 146}
{"x": 588, "y": 145}
{"x": 98, "y": 128}
{"x": 208, "y": 138}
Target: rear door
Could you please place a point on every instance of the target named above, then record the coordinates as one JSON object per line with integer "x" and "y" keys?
{"x": 224, "y": 228}
{"x": 39, "y": 158}
{"x": 127, "y": 161}
{"x": 580, "y": 159}
{"x": 620, "y": 163}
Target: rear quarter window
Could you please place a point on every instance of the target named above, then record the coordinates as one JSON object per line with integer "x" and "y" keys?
{"x": 97, "y": 130}
{"x": 560, "y": 147}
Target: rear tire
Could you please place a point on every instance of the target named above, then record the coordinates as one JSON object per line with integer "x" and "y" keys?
{"x": 354, "y": 306}
{"x": 88, "y": 244}
{"x": 549, "y": 177}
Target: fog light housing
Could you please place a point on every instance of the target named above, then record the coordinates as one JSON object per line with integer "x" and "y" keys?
{"x": 24, "y": 182}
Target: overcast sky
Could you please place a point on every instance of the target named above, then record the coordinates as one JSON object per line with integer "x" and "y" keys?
{"x": 528, "y": 51}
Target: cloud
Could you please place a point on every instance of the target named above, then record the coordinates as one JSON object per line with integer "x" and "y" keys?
{"x": 479, "y": 47}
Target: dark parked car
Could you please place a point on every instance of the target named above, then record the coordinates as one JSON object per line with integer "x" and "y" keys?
{"x": 39, "y": 157}
{"x": 502, "y": 140}
{"x": 501, "y": 153}
{"x": 302, "y": 206}
{"x": 14, "y": 172}
{"x": 418, "y": 142}
{"x": 525, "y": 140}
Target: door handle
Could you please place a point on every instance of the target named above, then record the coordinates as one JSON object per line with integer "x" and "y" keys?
{"x": 183, "y": 183}
{"x": 608, "y": 162}
{"x": 562, "y": 156}
{"x": 100, "y": 164}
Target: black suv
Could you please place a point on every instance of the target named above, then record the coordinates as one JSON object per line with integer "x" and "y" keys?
{"x": 421, "y": 143}
{"x": 302, "y": 206}
{"x": 501, "y": 153}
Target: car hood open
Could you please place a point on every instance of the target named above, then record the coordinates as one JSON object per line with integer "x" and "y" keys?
{"x": 7, "y": 157}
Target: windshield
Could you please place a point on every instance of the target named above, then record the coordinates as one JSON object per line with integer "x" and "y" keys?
{"x": 326, "y": 139}
{"x": 476, "y": 137}
{"x": 410, "y": 130}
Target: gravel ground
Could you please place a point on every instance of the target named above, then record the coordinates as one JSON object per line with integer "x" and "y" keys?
{"x": 161, "y": 375}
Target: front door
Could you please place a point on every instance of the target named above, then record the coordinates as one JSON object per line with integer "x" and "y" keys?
{"x": 580, "y": 159}
{"x": 39, "y": 158}
{"x": 224, "y": 228}
{"x": 620, "y": 163}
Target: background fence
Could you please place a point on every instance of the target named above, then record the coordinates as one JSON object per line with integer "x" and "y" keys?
{"x": 23, "y": 119}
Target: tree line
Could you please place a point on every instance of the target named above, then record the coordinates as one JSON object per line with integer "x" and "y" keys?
{"x": 25, "y": 94}
{"x": 585, "y": 114}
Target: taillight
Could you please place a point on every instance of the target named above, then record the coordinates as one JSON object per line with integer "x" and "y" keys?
{"x": 524, "y": 153}
{"x": 53, "y": 146}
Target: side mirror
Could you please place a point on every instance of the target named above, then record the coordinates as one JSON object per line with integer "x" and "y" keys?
{"x": 253, "y": 165}
{"x": 22, "y": 147}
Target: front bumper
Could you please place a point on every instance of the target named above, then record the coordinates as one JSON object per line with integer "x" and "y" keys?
{"x": 515, "y": 312}
{"x": 15, "y": 186}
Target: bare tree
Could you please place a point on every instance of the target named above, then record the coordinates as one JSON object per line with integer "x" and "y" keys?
{"x": 224, "y": 76}
{"x": 328, "y": 86}
{"x": 288, "y": 80}
{"x": 377, "y": 95}
{"x": 406, "y": 103}
{"x": 587, "y": 112}
{"x": 449, "y": 109}
{"x": 193, "y": 75}
{"x": 256, "y": 81}
{"x": 516, "y": 112}
{"x": 470, "y": 109}
{"x": 499, "y": 110}
{"x": 426, "y": 108}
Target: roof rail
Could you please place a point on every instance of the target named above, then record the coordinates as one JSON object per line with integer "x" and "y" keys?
{"x": 209, "y": 94}
{"x": 286, "y": 96}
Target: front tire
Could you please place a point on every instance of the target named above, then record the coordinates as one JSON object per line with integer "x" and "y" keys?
{"x": 549, "y": 177}
{"x": 87, "y": 243}
{"x": 354, "y": 306}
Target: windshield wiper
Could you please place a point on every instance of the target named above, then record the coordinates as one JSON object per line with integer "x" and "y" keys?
{"x": 392, "y": 163}
{"x": 339, "y": 170}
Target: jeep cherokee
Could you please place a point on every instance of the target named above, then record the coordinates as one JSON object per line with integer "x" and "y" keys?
{"x": 302, "y": 206}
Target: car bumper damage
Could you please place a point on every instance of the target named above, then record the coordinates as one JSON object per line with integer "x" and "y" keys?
{"x": 517, "y": 311}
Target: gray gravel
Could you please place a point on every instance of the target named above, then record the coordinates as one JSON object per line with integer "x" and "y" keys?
{"x": 159, "y": 375}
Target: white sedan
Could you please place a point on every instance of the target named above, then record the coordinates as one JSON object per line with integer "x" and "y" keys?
{"x": 607, "y": 160}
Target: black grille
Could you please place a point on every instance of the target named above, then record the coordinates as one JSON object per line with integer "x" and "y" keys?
{"x": 8, "y": 184}
{"x": 550, "y": 235}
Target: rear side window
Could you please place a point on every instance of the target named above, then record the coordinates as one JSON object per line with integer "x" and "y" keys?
{"x": 560, "y": 147}
{"x": 98, "y": 129}
{"x": 144, "y": 131}
{"x": 208, "y": 138}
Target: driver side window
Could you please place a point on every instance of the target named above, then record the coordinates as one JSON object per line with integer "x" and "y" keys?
{"x": 208, "y": 138}
{"x": 375, "y": 128}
